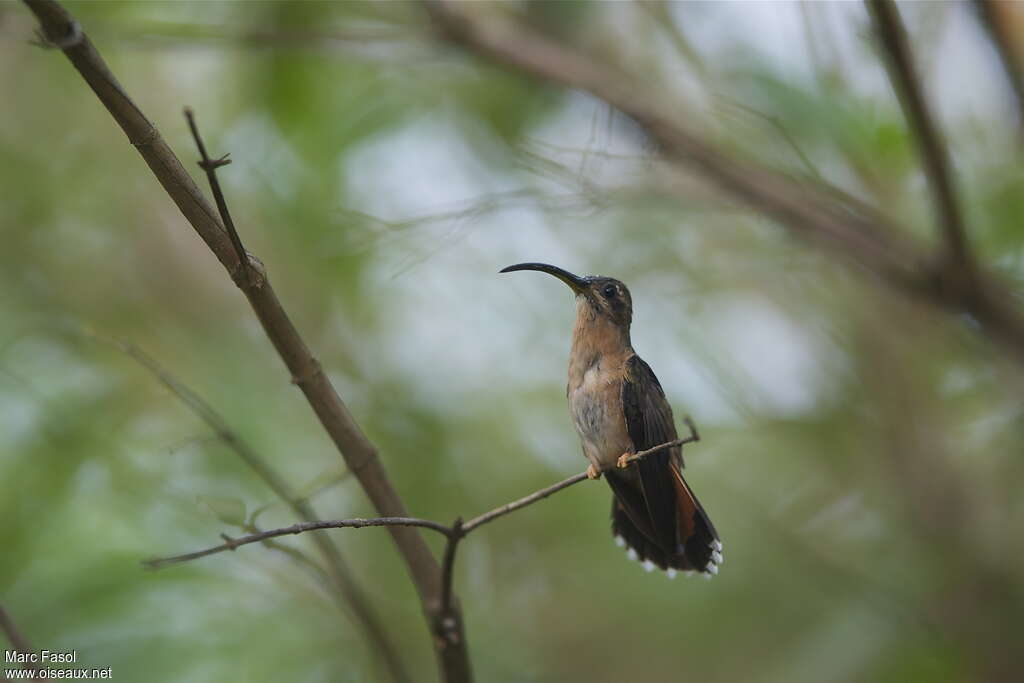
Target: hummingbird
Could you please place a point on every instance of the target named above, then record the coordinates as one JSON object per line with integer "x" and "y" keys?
{"x": 619, "y": 408}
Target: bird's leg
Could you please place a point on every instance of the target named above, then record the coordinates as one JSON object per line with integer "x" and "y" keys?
{"x": 623, "y": 461}
{"x": 593, "y": 472}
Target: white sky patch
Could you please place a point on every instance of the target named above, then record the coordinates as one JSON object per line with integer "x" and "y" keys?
{"x": 418, "y": 169}
{"x": 19, "y": 414}
{"x": 784, "y": 366}
{"x": 771, "y": 29}
{"x": 454, "y": 321}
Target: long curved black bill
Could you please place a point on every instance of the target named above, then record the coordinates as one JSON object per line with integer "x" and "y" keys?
{"x": 576, "y": 282}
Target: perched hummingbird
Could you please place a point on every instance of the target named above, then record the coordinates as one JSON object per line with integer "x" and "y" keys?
{"x": 619, "y": 408}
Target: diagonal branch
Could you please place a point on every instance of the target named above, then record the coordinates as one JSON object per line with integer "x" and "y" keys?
{"x": 446, "y": 621}
{"x": 210, "y": 166}
{"x": 60, "y": 29}
{"x": 867, "y": 239}
{"x": 455, "y": 533}
{"x": 575, "y": 479}
{"x": 906, "y": 81}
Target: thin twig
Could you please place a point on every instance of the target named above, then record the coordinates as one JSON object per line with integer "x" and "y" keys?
{"x": 16, "y": 639}
{"x": 906, "y": 81}
{"x": 522, "y": 502}
{"x": 809, "y": 168}
{"x": 692, "y": 438}
{"x": 555, "y": 488}
{"x": 301, "y": 527}
{"x": 575, "y": 479}
{"x": 447, "y": 617}
{"x": 210, "y": 166}
{"x": 454, "y": 533}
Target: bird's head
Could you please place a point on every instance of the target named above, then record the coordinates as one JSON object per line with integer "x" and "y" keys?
{"x": 603, "y": 296}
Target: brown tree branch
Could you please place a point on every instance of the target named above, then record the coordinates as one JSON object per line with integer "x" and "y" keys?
{"x": 454, "y": 533}
{"x": 575, "y": 479}
{"x": 339, "y": 576}
{"x": 906, "y": 81}
{"x": 869, "y": 240}
{"x": 534, "y": 497}
{"x": 447, "y": 620}
{"x": 301, "y": 527}
{"x": 60, "y": 29}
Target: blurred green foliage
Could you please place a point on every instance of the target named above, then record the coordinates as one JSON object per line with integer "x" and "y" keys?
{"x": 860, "y": 454}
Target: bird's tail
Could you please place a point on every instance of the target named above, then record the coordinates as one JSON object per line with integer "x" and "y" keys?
{"x": 698, "y": 547}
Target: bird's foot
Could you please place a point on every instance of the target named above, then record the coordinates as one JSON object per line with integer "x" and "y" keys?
{"x": 593, "y": 472}
{"x": 623, "y": 461}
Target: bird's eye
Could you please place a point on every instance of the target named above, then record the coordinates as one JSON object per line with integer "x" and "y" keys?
{"x": 609, "y": 291}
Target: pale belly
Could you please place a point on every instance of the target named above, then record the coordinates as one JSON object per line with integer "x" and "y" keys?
{"x": 596, "y": 408}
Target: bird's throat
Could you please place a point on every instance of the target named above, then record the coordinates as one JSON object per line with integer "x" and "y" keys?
{"x": 596, "y": 338}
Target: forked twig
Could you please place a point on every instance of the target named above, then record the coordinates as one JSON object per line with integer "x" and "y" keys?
{"x": 210, "y": 166}
{"x": 454, "y": 533}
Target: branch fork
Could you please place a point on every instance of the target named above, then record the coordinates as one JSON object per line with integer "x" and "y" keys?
{"x": 454, "y": 533}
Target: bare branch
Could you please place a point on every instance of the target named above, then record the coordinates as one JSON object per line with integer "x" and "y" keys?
{"x": 357, "y": 450}
{"x": 523, "y": 502}
{"x": 301, "y": 527}
{"x": 692, "y": 438}
{"x": 575, "y": 479}
{"x": 906, "y": 81}
{"x": 454, "y": 533}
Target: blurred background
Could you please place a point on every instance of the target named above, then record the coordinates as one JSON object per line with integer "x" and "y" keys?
{"x": 861, "y": 453}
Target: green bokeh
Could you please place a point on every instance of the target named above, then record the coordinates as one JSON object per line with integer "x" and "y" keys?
{"x": 869, "y": 500}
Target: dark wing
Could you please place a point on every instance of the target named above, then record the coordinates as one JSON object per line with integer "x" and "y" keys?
{"x": 659, "y": 518}
{"x": 649, "y": 422}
